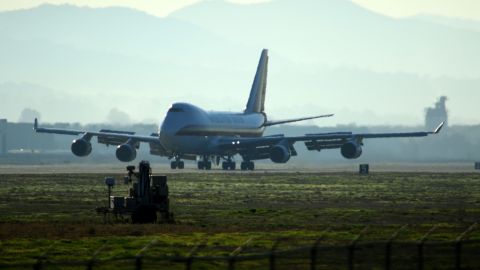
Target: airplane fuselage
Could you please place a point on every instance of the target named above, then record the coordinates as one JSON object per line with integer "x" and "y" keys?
{"x": 190, "y": 129}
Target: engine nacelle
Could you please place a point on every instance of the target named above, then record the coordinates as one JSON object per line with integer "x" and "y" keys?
{"x": 351, "y": 150}
{"x": 279, "y": 154}
{"x": 126, "y": 152}
{"x": 81, "y": 147}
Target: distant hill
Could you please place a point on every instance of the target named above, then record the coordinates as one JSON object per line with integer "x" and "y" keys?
{"x": 105, "y": 44}
{"x": 51, "y": 103}
{"x": 75, "y": 63}
{"x": 465, "y": 24}
{"x": 340, "y": 33}
{"x": 115, "y": 31}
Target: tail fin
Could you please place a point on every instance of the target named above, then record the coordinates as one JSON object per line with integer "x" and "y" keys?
{"x": 256, "y": 99}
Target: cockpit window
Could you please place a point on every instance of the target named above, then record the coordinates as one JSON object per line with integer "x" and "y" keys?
{"x": 175, "y": 110}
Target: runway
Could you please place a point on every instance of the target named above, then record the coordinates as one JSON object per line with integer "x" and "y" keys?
{"x": 261, "y": 167}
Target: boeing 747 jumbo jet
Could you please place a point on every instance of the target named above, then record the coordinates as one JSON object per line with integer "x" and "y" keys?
{"x": 191, "y": 133}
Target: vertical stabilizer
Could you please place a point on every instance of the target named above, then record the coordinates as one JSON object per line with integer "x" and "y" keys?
{"x": 256, "y": 99}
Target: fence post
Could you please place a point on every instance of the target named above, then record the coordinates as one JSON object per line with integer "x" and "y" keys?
{"x": 232, "y": 256}
{"x": 313, "y": 251}
{"x": 139, "y": 255}
{"x": 189, "y": 261}
{"x": 231, "y": 263}
{"x": 351, "y": 254}
{"x": 388, "y": 247}
{"x": 138, "y": 262}
{"x": 458, "y": 245}
{"x": 458, "y": 252}
{"x": 39, "y": 264}
{"x": 271, "y": 258}
{"x": 91, "y": 262}
{"x": 352, "y": 246}
{"x": 421, "y": 244}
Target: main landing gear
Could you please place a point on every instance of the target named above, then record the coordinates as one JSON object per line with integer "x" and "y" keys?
{"x": 204, "y": 164}
{"x": 177, "y": 164}
{"x": 229, "y": 165}
{"x": 247, "y": 165}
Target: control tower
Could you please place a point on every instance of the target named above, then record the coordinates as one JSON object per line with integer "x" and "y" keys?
{"x": 437, "y": 114}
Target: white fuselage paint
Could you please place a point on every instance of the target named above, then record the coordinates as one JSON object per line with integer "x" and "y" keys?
{"x": 188, "y": 129}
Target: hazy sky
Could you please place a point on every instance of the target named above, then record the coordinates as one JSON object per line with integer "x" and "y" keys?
{"x": 467, "y": 9}
{"x": 148, "y": 76}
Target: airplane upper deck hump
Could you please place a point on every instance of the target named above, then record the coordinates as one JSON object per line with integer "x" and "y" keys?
{"x": 256, "y": 99}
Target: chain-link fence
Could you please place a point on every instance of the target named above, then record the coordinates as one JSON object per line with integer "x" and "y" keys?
{"x": 462, "y": 253}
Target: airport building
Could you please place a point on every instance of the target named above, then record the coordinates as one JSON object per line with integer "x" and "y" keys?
{"x": 436, "y": 114}
{"x": 3, "y": 136}
{"x": 21, "y": 137}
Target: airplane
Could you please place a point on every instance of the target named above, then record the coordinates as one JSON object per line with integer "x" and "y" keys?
{"x": 191, "y": 133}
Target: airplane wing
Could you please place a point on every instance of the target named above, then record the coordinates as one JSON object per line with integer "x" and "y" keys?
{"x": 350, "y": 143}
{"x": 107, "y": 137}
{"x": 113, "y": 136}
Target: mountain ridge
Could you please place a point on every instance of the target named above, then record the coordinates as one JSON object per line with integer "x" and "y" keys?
{"x": 341, "y": 33}
{"x": 140, "y": 66}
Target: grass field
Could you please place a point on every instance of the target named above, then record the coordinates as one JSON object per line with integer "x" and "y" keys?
{"x": 53, "y": 215}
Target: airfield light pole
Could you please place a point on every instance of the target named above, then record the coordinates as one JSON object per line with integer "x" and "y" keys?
{"x": 110, "y": 182}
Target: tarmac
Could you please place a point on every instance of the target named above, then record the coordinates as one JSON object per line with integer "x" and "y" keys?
{"x": 261, "y": 167}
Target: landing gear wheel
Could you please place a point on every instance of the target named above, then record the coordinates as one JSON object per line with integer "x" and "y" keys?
{"x": 208, "y": 165}
{"x": 173, "y": 165}
{"x": 243, "y": 166}
{"x": 247, "y": 165}
{"x": 228, "y": 165}
{"x": 144, "y": 214}
{"x": 200, "y": 165}
{"x": 181, "y": 164}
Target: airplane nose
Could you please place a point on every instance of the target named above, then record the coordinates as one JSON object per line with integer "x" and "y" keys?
{"x": 166, "y": 135}
{"x": 168, "y": 130}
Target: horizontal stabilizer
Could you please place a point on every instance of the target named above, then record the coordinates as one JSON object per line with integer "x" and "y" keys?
{"x": 272, "y": 123}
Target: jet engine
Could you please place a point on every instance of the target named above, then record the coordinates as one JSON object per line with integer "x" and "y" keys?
{"x": 351, "y": 150}
{"x": 280, "y": 153}
{"x": 126, "y": 152}
{"x": 81, "y": 147}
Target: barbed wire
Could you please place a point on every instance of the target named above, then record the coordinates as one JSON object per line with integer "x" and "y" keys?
{"x": 309, "y": 252}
